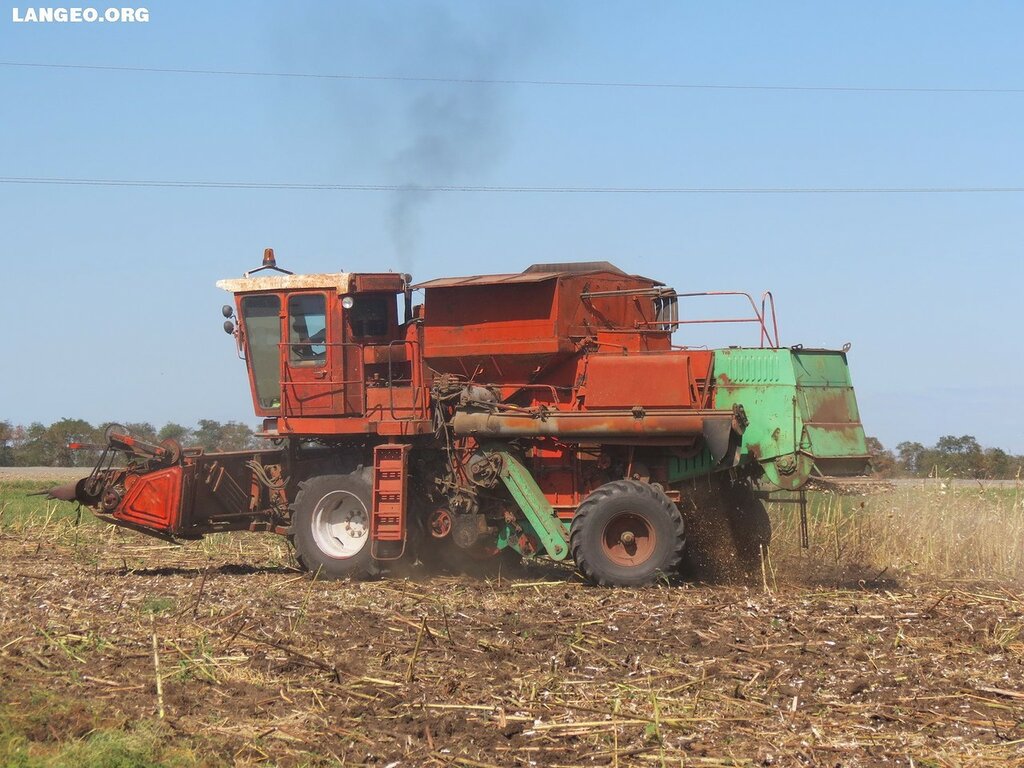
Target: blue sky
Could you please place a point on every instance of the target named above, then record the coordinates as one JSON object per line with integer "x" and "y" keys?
{"x": 110, "y": 311}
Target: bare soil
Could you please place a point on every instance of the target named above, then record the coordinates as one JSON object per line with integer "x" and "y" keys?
{"x": 261, "y": 666}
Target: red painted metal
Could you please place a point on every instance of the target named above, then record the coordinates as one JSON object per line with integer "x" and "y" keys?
{"x": 390, "y": 500}
{"x": 574, "y": 363}
{"x": 440, "y": 523}
{"x": 153, "y": 500}
{"x": 519, "y": 328}
{"x": 653, "y": 380}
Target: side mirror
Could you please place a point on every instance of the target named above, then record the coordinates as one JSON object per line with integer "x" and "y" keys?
{"x": 229, "y": 327}
{"x": 227, "y": 310}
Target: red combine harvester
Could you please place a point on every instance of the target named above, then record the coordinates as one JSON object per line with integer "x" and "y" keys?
{"x": 545, "y": 413}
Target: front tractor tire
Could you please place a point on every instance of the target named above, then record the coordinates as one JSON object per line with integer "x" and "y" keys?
{"x": 627, "y": 534}
{"x": 331, "y": 526}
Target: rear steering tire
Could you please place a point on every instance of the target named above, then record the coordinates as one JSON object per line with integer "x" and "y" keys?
{"x": 627, "y": 534}
{"x": 331, "y": 526}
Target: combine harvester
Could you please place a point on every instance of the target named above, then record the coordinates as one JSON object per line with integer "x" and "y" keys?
{"x": 545, "y": 413}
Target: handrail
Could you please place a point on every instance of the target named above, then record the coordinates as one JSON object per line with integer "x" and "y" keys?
{"x": 772, "y": 337}
{"x": 549, "y": 387}
{"x": 658, "y": 290}
{"x": 417, "y": 407}
{"x": 767, "y": 295}
{"x": 417, "y": 411}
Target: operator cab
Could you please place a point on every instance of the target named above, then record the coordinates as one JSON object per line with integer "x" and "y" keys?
{"x": 320, "y": 347}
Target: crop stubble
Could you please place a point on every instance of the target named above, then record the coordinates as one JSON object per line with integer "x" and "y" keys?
{"x": 259, "y": 665}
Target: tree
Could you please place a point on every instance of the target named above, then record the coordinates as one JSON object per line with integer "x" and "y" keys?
{"x": 236, "y": 436}
{"x": 231, "y": 436}
{"x": 998, "y": 463}
{"x": 960, "y": 456}
{"x": 911, "y": 458}
{"x": 6, "y": 444}
{"x": 57, "y": 438}
{"x": 30, "y": 448}
{"x": 207, "y": 434}
{"x": 882, "y": 460}
{"x": 42, "y": 446}
{"x": 173, "y": 431}
{"x": 141, "y": 430}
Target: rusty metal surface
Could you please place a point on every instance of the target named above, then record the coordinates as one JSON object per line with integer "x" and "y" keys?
{"x": 569, "y": 368}
{"x": 767, "y": 323}
{"x": 579, "y": 425}
{"x": 505, "y": 279}
{"x": 628, "y": 540}
{"x": 666, "y": 379}
{"x": 153, "y": 501}
{"x": 336, "y": 281}
{"x": 804, "y": 416}
{"x": 65, "y": 492}
{"x": 538, "y": 273}
{"x": 530, "y": 327}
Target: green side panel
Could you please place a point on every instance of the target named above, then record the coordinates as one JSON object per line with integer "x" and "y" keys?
{"x": 763, "y": 382}
{"x": 832, "y": 429}
{"x": 508, "y": 538}
{"x": 802, "y": 411}
{"x": 531, "y": 500}
{"x": 695, "y": 466}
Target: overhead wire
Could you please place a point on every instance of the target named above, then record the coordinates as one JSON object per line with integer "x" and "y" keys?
{"x": 402, "y": 78}
{"x": 506, "y": 189}
{"x": 413, "y": 188}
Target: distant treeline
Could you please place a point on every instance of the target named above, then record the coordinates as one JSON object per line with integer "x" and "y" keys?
{"x": 39, "y": 445}
{"x": 951, "y": 456}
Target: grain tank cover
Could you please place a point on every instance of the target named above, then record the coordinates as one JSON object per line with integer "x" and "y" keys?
{"x": 575, "y": 266}
{"x": 513, "y": 328}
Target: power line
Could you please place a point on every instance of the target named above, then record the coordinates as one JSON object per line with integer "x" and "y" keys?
{"x": 414, "y": 188}
{"x": 485, "y": 81}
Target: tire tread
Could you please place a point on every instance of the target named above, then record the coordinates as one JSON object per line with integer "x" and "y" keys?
{"x": 311, "y": 490}
{"x": 612, "y": 490}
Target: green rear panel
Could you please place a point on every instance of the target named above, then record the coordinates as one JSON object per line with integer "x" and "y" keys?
{"x": 802, "y": 411}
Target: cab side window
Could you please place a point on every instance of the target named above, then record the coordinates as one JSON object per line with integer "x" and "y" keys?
{"x": 307, "y": 330}
{"x": 368, "y": 316}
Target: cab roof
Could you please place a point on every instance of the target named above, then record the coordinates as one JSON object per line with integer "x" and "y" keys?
{"x": 339, "y": 281}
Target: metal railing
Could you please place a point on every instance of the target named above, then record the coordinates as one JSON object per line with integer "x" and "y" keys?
{"x": 769, "y": 334}
{"x": 345, "y": 387}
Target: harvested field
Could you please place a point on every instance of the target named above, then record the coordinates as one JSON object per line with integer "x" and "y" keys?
{"x": 844, "y": 655}
{"x": 41, "y": 474}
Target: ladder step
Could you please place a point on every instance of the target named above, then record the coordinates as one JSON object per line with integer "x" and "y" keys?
{"x": 390, "y": 487}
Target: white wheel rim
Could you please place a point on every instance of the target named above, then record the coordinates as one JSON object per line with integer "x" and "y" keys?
{"x": 341, "y": 525}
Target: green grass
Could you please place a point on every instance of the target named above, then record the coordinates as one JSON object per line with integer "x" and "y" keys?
{"x": 143, "y": 746}
{"x": 27, "y": 728}
{"x": 18, "y": 509}
{"x": 91, "y": 540}
{"x": 157, "y": 605}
